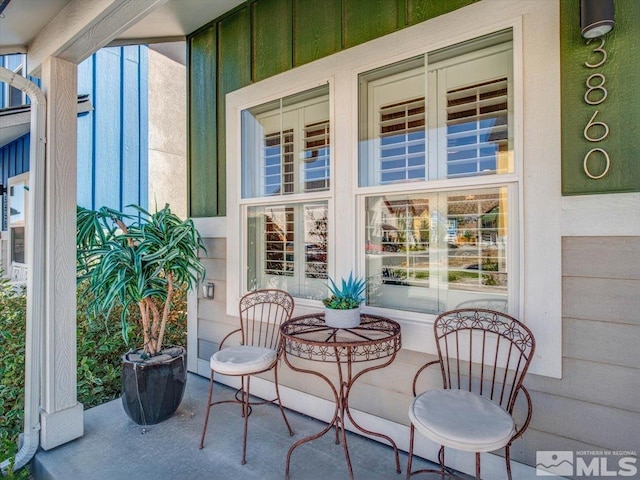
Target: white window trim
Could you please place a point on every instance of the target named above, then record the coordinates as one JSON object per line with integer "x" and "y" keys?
{"x": 535, "y": 37}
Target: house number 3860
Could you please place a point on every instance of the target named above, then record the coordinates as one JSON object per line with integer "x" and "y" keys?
{"x": 596, "y": 94}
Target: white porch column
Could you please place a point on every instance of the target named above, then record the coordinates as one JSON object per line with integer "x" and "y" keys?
{"x": 61, "y": 416}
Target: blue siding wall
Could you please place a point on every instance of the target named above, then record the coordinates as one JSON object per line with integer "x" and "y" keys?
{"x": 112, "y": 139}
{"x": 14, "y": 160}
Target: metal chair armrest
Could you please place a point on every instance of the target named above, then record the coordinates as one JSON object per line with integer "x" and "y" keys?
{"x": 419, "y": 372}
{"x": 520, "y": 431}
{"x": 227, "y": 336}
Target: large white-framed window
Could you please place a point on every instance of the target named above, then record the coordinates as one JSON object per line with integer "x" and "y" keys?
{"x": 442, "y": 146}
{"x": 440, "y": 126}
{"x": 286, "y": 156}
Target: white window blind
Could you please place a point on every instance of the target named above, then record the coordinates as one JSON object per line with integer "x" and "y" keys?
{"x": 477, "y": 128}
{"x": 402, "y": 141}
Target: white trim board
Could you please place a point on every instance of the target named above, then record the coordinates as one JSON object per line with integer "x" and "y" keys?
{"x": 493, "y": 466}
{"x": 611, "y": 215}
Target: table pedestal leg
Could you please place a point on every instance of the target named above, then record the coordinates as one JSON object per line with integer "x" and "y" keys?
{"x": 341, "y": 412}
{"x": 345, "y": 399}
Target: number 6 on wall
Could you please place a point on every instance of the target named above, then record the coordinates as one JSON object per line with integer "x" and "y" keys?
{"x": 593, "y": 124}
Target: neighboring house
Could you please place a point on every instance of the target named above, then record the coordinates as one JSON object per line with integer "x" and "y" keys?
{"x": 14, "y": 162}
{"x": 368, "y": 118}
{"x": 126, "y": 134}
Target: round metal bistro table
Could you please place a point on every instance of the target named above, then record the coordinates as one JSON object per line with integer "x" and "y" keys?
{"x": 308, "y": 337}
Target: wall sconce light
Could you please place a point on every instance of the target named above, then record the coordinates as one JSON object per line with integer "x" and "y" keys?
{"x": 3, "y": 189}
{"x": 596, "y": 17}
{"x": 207, "y": 290}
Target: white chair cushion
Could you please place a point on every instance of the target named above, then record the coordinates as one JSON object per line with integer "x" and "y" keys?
{"x": 461, "y": 420}
{"x": 242, "y": 360}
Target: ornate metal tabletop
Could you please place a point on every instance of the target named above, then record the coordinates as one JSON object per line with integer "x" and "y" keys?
{"x": 309, "y": 337}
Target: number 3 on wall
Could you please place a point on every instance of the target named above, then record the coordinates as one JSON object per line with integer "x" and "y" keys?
{"x": 599, "y": 50}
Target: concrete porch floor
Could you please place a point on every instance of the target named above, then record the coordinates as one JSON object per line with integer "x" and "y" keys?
{"x": 113, "y": 447}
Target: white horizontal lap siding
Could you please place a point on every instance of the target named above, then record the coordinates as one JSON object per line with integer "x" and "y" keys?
{"x": 601, "y": 361}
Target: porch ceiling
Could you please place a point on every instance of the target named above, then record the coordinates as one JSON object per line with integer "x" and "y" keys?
{"x": 22, "y": 20}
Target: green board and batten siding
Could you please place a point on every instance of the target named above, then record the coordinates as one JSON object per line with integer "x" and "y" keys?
{"x": 262, "y": 38}
{"x": 203, "y": 143}
{"x": 620, "y": 110}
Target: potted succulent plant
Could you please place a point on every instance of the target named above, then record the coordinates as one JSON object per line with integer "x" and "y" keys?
{"x": 342, "y": 308}
{"x": 138, "y": 261}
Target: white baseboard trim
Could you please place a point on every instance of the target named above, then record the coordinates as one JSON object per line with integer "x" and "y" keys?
{"x": 493, "y": 466}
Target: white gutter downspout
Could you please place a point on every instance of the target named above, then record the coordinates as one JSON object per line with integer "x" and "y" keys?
{"x": 36, "y": 264}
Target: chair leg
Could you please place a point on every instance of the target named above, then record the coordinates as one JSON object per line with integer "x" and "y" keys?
{"x": 275, "y": 373}
{"x": 245, "y": 413}
{"x": 507, "y": 457}
{"x": 412, "y": 432}
{"x": 206, "y": 416}
{"x": 478, "y": 466}
{"x": 441, "y": 460}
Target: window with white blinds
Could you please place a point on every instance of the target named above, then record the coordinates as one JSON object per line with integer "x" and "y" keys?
{"x": 477, "y": 128}
{"x": 402, "y": 141}
{"x": 448, "y": 119}
{"x": 287, "y": 248}
{"x": 286, "y": 154}
{"x": 286, "y": 145}
{"x": 432, "y": 122}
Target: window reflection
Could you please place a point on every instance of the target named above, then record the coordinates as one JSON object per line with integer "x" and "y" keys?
{"x": 431, "y": 252}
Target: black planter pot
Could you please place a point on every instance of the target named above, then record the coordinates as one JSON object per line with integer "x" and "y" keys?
{"x": 152, "y": 389}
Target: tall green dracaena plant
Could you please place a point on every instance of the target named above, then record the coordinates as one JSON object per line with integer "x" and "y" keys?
{"x": 137, "y": 259}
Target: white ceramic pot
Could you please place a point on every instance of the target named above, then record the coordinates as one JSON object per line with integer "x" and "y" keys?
{"x": 342, "y": 318}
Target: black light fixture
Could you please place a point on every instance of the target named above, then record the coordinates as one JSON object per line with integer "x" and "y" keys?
{"x": 596, "y": 17}
{"x": 208, "y": 289}
{"x": 3, "y": 189}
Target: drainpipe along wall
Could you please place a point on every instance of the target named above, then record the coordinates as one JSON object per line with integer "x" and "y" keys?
{"x": 35, "y": 262}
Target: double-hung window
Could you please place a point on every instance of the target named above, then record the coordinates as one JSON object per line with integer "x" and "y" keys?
{"x": 436, "y": 183}
{"x": 436, "y": 163}
{"x": 286, "y": 166}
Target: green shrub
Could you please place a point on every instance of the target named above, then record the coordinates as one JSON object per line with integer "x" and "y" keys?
{"x": 13, "y": 308}
{"x": 99, "y": 344}
{"x": 8, "y": 449}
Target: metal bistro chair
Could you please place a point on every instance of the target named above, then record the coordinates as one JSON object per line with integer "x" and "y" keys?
{"x": 261, "y": 313}
{"x": 483, "y": 356}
